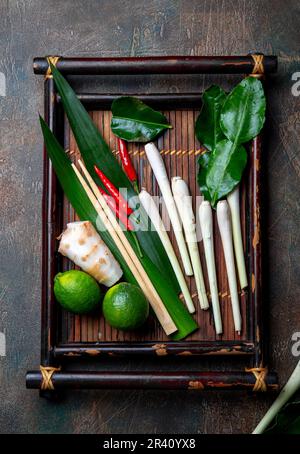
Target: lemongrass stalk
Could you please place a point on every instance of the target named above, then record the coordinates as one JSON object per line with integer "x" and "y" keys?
{"x": 234, "y": 203}
{"x": 184, "y": 204}
{"x": 206, "y": 223}
{"x": 153, "y": 214}
{"x": 161, "y": 176}
{"x": 224, "y": 222}
{"x": 290, "y": 388}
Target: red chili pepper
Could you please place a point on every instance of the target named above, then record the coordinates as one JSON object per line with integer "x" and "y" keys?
{"x": 126, "y": 161}
{"x": 119, "y": 214}
{"x": 120, "y": 201}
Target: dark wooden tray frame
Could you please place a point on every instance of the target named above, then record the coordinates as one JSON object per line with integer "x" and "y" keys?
{"x": 54, "y": 354}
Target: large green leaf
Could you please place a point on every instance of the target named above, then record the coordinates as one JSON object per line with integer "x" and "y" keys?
{"x": 225, "y": 169}
{"x": 94, "y": 150}
{"x": 208, "y": 131}
{"x": 134, "y": 121}
{"x": 207, "y": 126}
{"x": 243, "y": 112}
{"x": 85, "y": 210}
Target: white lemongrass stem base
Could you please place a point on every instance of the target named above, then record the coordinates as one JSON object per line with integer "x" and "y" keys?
{"x": 126, "y": 250}
{"x": 185, "y": 209}
{"x": 234, "y": 203}
{"x": 157, "y": 164}
{"x": 206, "y": 223}
{"x": 224, "y": 223}
{"x": 153, "y": 214}
{"x": 292, "y": 385}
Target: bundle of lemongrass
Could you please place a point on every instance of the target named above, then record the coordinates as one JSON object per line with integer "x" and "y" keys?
{"x": 178, "y": 202}
{"x": 179, "y": 207}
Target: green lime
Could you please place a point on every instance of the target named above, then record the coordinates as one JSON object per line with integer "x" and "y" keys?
{"x": 77, "y": 291}
{"x": 125, "y": 306}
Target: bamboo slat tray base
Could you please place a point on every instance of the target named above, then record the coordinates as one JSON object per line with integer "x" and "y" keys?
{"x": 179, "y": 150}
{"x": 66, "y": 337}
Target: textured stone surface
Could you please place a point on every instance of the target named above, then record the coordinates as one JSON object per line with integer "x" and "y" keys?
{"x": 102, "y": 28}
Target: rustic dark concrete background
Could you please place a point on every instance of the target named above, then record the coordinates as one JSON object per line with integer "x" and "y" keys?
{"x": 121, "y": 27}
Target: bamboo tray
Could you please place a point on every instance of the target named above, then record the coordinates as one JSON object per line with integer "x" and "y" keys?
{"x": 66, "y": 337}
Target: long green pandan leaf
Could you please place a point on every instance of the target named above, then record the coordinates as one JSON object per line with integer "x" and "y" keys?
{"x": 94, "y": 150}
{"x": 207, "y": 127}
{"x": 134, "y": 121}
{"x": 85, "y": 210}
{"x": 76, "y": 194}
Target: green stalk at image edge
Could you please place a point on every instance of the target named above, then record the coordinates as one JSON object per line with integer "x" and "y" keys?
{"x": 85, "y": 210}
